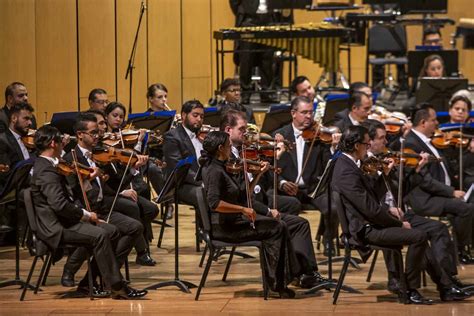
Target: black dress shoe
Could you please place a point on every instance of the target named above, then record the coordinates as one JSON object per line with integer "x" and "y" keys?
{"x": 67, "y": 279}
{"x": 393, "y": 286}
{"x": 414, "y": 297}
{"x": 96, "y": 292}
{"x": 453, "y": 294}
{"x": 169, "y": 211}
{"x": 287, "y": 293}
{"x": 308, "y": 281}
{"x": 458, "y": 283}
{"x": 326, "y": 250}
{"x": 128, "y": 293}
{"x": 465, "y": 258}
{"x": 145, "y": 260}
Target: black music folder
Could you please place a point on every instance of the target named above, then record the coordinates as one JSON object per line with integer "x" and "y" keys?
{"x": 438, "y": 91}
{"x": 155, "y": 121}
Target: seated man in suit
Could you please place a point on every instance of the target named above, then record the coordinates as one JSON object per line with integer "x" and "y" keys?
{"x": 360, "y": 105}
{"x": 231, "y": 99}
{"x": 440, "y": 259}
{"x": 100, "y": 196}
{"x": 182, "y": 142}
{"x": 60, "y": 220}
{"x": 98, "y": 99}
{"x": 370, "y": 221}
{"x": 302, "y": 166}
{"x": 435, "y": 196}
{"x": 14, "y": 93}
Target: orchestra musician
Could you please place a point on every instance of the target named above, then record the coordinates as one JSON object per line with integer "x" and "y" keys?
{"x": 435, "y": 195}
{"x": 61, "y": 220}
{"x": 432, "y": 37}
{"x": 231, "y": 99}
{"x": 98, "y": 99}
{"x": 440, "y": 259}
{"x": 15, "y": 92}
{"x": 360, "y": 105}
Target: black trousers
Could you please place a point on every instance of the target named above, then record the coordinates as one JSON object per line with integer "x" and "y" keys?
{"x": 99, "y": 237}
{"x": 128, "y": 230}
{"x": 330, "y": 219}
{"x": 440, "y": 262}
{"x": 397, "y": 236}
{"x": 281, "y": 264}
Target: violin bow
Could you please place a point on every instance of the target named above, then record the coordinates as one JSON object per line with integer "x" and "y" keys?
{"x": 306, "y": 159}
{"x": 247, "y": 183}
{"x": 81, "y": 182}
{"x": 401, "y": 174}
{"x": 275, "y": 175}
{"x": 120, "y": 185}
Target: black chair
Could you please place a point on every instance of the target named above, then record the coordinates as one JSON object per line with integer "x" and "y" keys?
{"x": 215, "y": 245}
{"x": 39, "y": 249}
{"x": 348, "y": 247}
{"x": 17, "y": 181}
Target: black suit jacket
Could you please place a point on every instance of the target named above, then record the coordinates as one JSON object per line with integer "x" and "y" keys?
{"x": 10, "y": 154}
{"x": 429, "y": 196}
{"x": 176, "y": 146}
{"x": 361, "y": 201}
{"x": 53, "y": 204}
{"x": 288, "y": 162}
{"x": 342, "y": 120}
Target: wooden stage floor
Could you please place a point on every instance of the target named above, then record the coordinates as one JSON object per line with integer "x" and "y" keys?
{"x": 242, "y": 293}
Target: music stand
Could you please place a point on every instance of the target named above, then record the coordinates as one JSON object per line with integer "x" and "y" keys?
{"x": 167, "y": 194}
{"x": 64, "y": 121}
{"x": 423, "y": 6}
{"x": 212, "y": 116}
{"x": 438, "y": 91}
{"x": 324, "y": 185}
{"x": 155, "y": 121}
{"x": 416, "y": 58}
{"x": 334, "y": 104}
{"x": 277, "y": 117}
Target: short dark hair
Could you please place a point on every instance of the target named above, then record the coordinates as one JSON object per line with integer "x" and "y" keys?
{"x": 430, "y": 31}
{"x": 352, "y": 135}
{"x": 190, "y": 105}
{"x": 211, "y": 144}
{"x": 44, "y": 136}
{"x": 357, "y": 86}
{"x": 229, "y": 82}
{"x": 112, "y": 106}
{"x": 372, "y": 126}
{"x": 428, "y": 60}
{"x": 81, "y": 121}
{"x": 230, "y": 118}
{"x": 152, "y": 89}
{"x": 458, "y": 98}
{"x": 95, "y": 92}
{"x": 421, "y": 112}
{"x": 18, "y": 107}
{"x": 96, "y": 112}
{"x": 297, "y": 81}
{"x": 10, "y": 89}
{"x": 355, "y": 99}
{"x": 297, "y": 100}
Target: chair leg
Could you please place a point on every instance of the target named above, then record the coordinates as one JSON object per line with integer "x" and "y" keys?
{"x": 162, "y": 231}
{"x": 46, "y": 274}
{"x": 205, "y": 273}
{"x": 46, "y": 263}
{"x": 89, "y": 276}
{"x": 229, "y": 262}
{"x": 340, "y": 282}
{"x": 25, "y": 288}
{"x": 264, "y": 279}
{"x": 127, "y": 270}
{"x": 196, "y": 229}
{"x": 203, "y": 256}
{"x": 403, "y": 280}
{"x": 372, "y": 266}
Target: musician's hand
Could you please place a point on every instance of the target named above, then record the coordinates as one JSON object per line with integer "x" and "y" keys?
{"x": 66, "y": 139}
{"x": 275, "y": 214}
{"x": 142, "y": 160}
{"x": 396, "y": 212}
{"x": 423, "y": 161}
{"x": 94, "y": 218}
{"x": 390, "y": 164}
{"x": 336, "y": 137}
{"x": 249, "y": 213}
{"x": 290, "y": 188}
{"x": 406, "y": 225}
{"x": 95, "y": 173}
{"x": 280, "y": 148}
{"x": 279, "y": 138}
{"x": 458, "y": 194}
{"x": 264, "y": 166}
{"x": 407, "y": 128}
{"x": 141, "y": 134}
{"x": 131, "y": 194}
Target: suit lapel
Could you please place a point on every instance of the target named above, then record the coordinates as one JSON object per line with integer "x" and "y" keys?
{"x": 187, "y": 141}
{"x": 14, "y": 145}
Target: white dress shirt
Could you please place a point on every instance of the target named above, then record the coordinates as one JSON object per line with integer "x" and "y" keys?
{"x": 353, "y": 120}
{"x": 435, "y": 152}
{"x": 196, "y": 142}
{"x": 300, "y": 143}
{"x": 24, "y": 150}
{"x": 262, "y": 7}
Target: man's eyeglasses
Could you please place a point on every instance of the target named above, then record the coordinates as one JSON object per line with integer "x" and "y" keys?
{"x": 366, "y": 144}
{"x": 93, "y": 134}
{"x": 101, "y": 101}
{"x": 234, "y": 90}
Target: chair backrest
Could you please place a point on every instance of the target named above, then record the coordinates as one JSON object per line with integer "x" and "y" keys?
{"x": 382, "y": 40}
{"x": 338, "y": 205}
{"x": 30, "y": 210}
{"x": 18, "y": 179}
{"x": 204, "y": 210}
{"x": 36, "y": 246}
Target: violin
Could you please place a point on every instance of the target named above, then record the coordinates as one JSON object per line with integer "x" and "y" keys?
{"x": 106, "y": 155}
{"x": 393, "y": 121}
{"x": 4, "y": 168}
{"x": 235, "y": 166}
{"x": 130, "y": 137}
{"x": 444, "y": 140}
{"x": 205, "y": 129}
{"x": 29, "y": 139}
{"x": 319, "y": 132}
{"x": 66, "y": 168}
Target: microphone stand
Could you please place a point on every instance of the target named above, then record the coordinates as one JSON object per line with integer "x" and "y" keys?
{"x": 131, "y": 60}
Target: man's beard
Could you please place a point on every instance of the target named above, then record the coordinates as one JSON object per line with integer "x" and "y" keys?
{"x": 21, "y": 131}
{"x": 191, "y": 127}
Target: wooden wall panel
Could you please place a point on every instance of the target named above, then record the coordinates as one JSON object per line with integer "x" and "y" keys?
{"x": 164, "y": 48}
{"x": 56, "y": 56}
{"x": 127, "y": 22}
{"x": 17, "y": 51}
{"x": 96, "y": 48}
